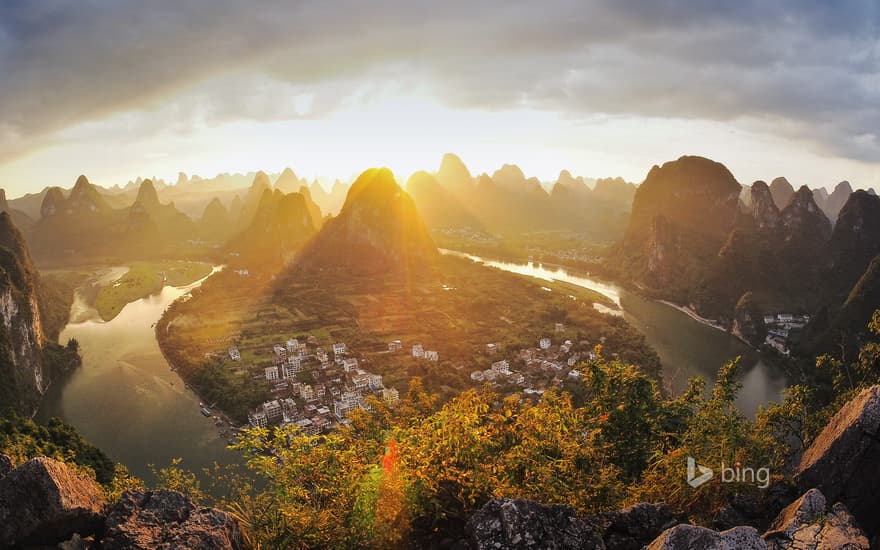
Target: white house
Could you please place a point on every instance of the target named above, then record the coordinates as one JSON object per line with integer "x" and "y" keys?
{"x": 544, "y": 343}
{"x": 273, "y": 410}
{"x": 258, "y": 419}
{"x": 360, "y": 381}
{"x": 491, "y": 348}
{"x": 477, "y": 376}
{"x": 501, "y": 367}
{"x": 279, "y": 350}
{"x": 432, "y": 356}
{"x": 234, "y": 354}
{"x": 339, "y": 349}
{"x": 769, "y": 319}
{"x": 396, "y": 345}
{"x": 271, "y": 373}
{"x": 291, "y": 369}
{"x": 418, "y": 351}
{"x": 307, "y": 393}
{"x": 350, "y": 364}
{"x": 292, "y": 345}
{"x": 375, "y": 382}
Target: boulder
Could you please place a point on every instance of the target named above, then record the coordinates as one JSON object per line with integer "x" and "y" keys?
{"x": 808, "y": 524}
{"x": 520, "y": 524}
{"x": 166, "y": 520}
{"x": 634, "y": 527}
{"x": 691, "y": 537}
{"x": 44, "y": 502}
{"x": 842, "y": 461}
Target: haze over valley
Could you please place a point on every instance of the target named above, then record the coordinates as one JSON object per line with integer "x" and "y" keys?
{"x": 579, "y": 275}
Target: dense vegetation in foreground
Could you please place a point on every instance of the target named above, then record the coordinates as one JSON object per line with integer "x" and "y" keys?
{"x": 416, "y": 470}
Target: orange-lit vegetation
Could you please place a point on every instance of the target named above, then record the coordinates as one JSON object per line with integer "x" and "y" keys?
{"x": 417, "y": 469}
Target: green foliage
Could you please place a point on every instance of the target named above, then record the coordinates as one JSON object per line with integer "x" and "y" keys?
{"x": 22, "y": 439}
{"x": 715, "y": 433}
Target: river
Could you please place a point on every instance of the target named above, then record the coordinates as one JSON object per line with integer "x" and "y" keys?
{"x": 125, "y": 399}
{"x": 687, "y": 348}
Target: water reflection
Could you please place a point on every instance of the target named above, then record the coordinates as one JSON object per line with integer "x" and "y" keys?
{"x": 687, "y": 348}
{"x": 125, "y": 399}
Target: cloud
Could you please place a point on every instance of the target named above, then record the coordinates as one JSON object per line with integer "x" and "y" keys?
{"x": 805, "y": 68}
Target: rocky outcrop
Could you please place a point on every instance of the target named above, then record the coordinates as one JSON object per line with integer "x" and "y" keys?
{"x": 21, "y": 331}
{"x": 44, "y": 502}
{"x": 837, "y": 199}
{"x": 806, "y": 524}
{"x": 842, "y": 461}
{"x": 764, "y": 211}
{"x": 378, "y": 228}
{"x": 681, "y": 216}
{"x": 166, "y": 520}
{"x": 782, "y": 191}
{"x": 804, "y": 221}
{"x": 809, "y": 524}
{"x": 692, "y": 537}
{"x": 854, "y": 242}
{"x": 521, "y": 524}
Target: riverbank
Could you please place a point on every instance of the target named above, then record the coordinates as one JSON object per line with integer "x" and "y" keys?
{"x": 698, "y": 318}
{"x": 143, "y": 279}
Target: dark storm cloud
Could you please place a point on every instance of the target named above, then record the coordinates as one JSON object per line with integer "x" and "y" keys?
{"x": 809, "y": 67}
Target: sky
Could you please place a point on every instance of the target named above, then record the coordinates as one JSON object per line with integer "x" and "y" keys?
{"x": 116, "y": 90}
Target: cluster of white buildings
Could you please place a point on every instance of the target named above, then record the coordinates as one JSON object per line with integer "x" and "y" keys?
{"x": 545, "y": 357}
{"x": 779, "y": 328}
{"x": 315, "y": 387}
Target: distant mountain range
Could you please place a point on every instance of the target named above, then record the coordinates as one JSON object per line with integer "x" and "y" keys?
{"x": 691, "y": 240}
{"x": 509, "y": 203}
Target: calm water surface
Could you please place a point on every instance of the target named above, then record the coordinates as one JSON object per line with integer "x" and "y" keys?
{"x": 686, "y": 347}
{"x": 125, "y": 399}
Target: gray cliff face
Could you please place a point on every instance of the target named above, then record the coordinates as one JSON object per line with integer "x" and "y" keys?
{"x": 764, "y": 210}
{"x": 22, "y": 382}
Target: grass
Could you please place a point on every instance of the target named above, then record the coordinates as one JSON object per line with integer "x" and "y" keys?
{"x": 144, "y": 279}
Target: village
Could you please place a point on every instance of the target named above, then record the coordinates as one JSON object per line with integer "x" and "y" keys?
{"x": 780, "y": 329}
{"x": 315, "y": 386}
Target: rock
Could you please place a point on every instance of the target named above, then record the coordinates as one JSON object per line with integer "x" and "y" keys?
{"x": 743, "y": 509}
{"x": 518, "y": 524}
{"x": 166, "y": 520}
{"x": 691, "y": 537}
{"x": 634, "y": 527}
{"x": 764, "y": 210}
{"x": 808, "y": 524}
{"x": 6, "y": 465}
{"x": 44, "y": 502}
{"x": 842, "y": 461}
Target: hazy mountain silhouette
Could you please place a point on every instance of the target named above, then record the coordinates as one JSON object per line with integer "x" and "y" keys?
{"x": 378, "y": 228}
